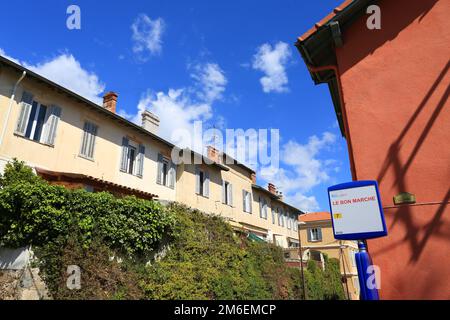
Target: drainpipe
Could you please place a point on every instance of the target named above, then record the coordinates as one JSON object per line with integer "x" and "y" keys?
{"x": 344, "y": 112}
{"x": 5, "y": 123}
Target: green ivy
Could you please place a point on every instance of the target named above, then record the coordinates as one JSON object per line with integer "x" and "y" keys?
{"x": 206, "y": 259}
{"x": 34, "y": 212}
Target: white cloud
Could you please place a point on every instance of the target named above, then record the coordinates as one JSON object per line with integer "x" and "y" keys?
{"x": 302, "y": 171}
{"x": 272, "y": 61}
{"x": 211, "y": 81}
{"x": 147, "y": 34}
{"x": 3, "y": 53}
{"x": 178, "y": 109}
{"x": 66, "y": 71}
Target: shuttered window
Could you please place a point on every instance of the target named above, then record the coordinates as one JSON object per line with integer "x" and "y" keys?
{"x": 247, "y": 201}
{"x": 166, "y": 174}
{"x": 132, "y": 158}
{"x": 263, "y": 208}
{"x": 36, "y": 121}
{"x": 315, "y": 234}
{"x": 227, "y": 193}
{"x": 201, "y": 182}
{"x": 88, "y": 140}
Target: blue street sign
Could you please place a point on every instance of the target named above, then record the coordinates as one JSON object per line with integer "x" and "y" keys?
{"x": 356, "y": 211}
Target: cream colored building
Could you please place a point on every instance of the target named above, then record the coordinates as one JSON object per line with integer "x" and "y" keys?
{"x": 317, "y": 239}
{"x": 73, "y": 141}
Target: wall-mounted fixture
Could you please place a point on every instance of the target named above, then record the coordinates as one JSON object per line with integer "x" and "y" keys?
{"x": 404, "y": 198}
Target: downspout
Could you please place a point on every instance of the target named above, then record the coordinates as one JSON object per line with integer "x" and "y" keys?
{"x": 5, "y": 123}
{"x": 344, "y": 112}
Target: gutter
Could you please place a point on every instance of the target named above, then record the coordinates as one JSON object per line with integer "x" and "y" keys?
{"x": 344, "y": 111}
{"x": 8, "y": 113}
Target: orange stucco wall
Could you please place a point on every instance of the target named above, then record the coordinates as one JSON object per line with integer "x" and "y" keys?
{"x": 395, "y": 87}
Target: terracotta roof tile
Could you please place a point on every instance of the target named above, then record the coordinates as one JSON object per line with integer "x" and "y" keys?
{"x": 315, "y": 216}
{"x": 330, "y": 16}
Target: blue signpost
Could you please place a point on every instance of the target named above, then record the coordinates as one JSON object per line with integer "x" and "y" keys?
{"x": 357, "y": 214}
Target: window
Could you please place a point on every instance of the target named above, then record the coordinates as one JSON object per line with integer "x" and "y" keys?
{"x": 280, "y": 217}
{"x": 295, "y": 222}
{"x": 274, "y": 213}
{"x": 88, "y": 140}
{"x": 263, "y": 208}
{"x": 227, "y": 193}
{"x": 247, "y": 201}
{"x": 202, "y": 182}
{"x": 289, "y": 221}
{"x": 166, "y": 175}
{"x": 132, "y": 160}
{"x": 314, "y": 234}
{"x": 36, "y": 121}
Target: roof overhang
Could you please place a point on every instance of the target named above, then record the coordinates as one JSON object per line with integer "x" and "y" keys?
{"x": 317, "y": 47}
{"x": 70, "y": 177}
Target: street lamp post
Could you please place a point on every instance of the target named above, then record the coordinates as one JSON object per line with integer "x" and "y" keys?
{"x": 300, "y": 223}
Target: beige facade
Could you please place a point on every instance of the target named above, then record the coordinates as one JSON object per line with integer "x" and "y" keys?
{"x": 267, "y": 216}
{"x": 317, "y": 239}
{"x": 64, "y": 154}
{"x": 64, "y": 142}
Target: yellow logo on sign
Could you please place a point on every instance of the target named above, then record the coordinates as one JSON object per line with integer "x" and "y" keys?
{"x": 338, "y": 215}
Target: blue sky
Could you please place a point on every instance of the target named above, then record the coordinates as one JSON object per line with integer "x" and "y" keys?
{"x": 231, "y": 64}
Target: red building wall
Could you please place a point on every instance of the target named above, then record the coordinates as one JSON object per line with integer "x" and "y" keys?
{"x": 395, "y": 85}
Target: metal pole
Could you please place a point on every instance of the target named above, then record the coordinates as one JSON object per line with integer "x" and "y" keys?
{"x": 301, "y": 261}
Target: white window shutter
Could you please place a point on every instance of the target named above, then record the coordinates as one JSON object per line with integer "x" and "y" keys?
{"x": 84, "y": 139}
{"x": 244, "y": 201}
{"x": 172, "y": 175}
{"x": 224, "y": 192}
{"x": 124, "y": 157}
{"x": 230, "y": 194}
{"x": 159, "y": 171}
{"x": 140, "y": 161}
{"x": 93, "y": 132}
{"x": 250, "y": 200}
{"x": 261, "y": 208}
{"x": 206, "y": 185}
{"x": 52, "y": 125}
{"x": 197, "y": 180}
{"x": 24, "y": 113}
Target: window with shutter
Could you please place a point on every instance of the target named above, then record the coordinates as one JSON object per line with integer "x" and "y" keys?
{"x": 314, "y": 234}
{"x": 124, "y": 157}
{"x": 247, "y": 201}
{"x": 36, "y": 121}
{"x": 132, "y": 158}
{"x": 172, "y": 175}
{"x": 202, "y": 182}
{"x": 227, "y": 193}
{"x": 140, "y": 161}
{"x": 52, "y": 125}
{"x": 24, "y": 114}
{"x": 206, "y": 184}
{"x": 88, "y": 140}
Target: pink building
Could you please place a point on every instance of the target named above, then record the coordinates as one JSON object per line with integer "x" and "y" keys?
{"x": 390, "y": 89}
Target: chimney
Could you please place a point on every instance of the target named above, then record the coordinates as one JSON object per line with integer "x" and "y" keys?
{"x": 253, "y": 177}
{"x": 150, "y": 122}
{"x": 271, "y": 187}
{"x": 213, "y": 154}
{"x": 110, "y": 101}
